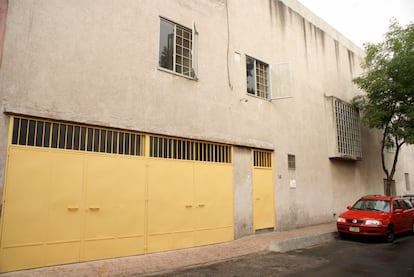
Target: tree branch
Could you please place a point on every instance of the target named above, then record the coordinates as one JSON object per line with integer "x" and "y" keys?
{"x": 397, "y": 152}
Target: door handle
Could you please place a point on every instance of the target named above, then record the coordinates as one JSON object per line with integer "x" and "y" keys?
{"x": 94, "y": 208}
{"x": 188, "y": 206}
{"x": 201, "y": 205}
{"x": 73, "y": 208}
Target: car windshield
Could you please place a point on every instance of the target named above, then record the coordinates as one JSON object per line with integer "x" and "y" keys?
{"x": 372, "y": 205}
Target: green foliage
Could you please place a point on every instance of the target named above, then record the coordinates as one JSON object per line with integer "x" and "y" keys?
{"x": 388, "y": 83}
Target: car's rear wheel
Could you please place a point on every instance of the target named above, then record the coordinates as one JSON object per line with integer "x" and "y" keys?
{"x": 390, "y": 236}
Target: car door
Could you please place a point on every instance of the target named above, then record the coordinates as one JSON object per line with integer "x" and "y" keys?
{"x": 398, "y": 217}
{"x": 407, "y": 214}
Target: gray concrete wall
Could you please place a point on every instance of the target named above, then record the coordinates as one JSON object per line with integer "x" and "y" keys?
{"x": 243, "y": 194}
{"x": 96, "y": 62}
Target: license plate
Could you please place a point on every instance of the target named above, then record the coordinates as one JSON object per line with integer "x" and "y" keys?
{"x": 354, "y": 229}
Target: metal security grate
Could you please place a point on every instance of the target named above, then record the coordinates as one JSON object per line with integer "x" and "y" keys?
{"x": 261, "y": 79}
{"x": 291, "y": 162}
{"x": 181, "y": 149}
{"x": 262, "y": 158}
{"x": 348, "y": 129}
{"x": 183, "y": 40}
{"x": 53, "y": 134}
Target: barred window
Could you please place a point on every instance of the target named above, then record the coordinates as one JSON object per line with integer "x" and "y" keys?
{"x": 181, "y": 149}
{"x": 291, "y": 162}
{"x": 176, "y": 48}
{"x": 257, "y": 74}
{"x": 60, "y": 135}
{"x": 348, "y": 132}
{"x": 262, "y": 158}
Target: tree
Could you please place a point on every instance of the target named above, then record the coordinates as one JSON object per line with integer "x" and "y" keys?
{"x": 388, "y": 83}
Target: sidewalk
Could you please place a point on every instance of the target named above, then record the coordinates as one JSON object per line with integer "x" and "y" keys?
{"x": 149, "y": 264}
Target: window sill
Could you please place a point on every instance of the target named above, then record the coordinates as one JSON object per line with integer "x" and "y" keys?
{"x": 258, "y": 97}
{"x": 177, "y": 74}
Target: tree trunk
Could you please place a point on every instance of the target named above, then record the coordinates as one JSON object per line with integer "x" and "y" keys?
{"x": 389, "y": 186}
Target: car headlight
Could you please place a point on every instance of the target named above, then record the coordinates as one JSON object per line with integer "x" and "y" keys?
{"x": 341, "y": 219}
{"x": 373, "y": 222}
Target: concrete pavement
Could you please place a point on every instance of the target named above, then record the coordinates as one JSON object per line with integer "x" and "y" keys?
{"x": 151, "y": 264}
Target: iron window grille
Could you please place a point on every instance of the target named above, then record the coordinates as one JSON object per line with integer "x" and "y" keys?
{"x": 262, "y": 158}
{"x": 291, "y": 162}
{"x": 348, "y": 133}
{"x": 182, "y": 149}
{"x": 61, "y": 135}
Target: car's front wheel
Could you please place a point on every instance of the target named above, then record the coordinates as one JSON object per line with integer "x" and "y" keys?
{"x": 412, "y": 228}
{"x": 390, "y": 236}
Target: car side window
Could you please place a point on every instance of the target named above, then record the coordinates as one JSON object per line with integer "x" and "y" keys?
{"x": 409, "y": 203}
{"x": 405, "y": 204}
{"x": 396, "y": 205}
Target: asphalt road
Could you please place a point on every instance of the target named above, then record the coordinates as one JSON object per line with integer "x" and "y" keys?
{"x": 349, "y": 257}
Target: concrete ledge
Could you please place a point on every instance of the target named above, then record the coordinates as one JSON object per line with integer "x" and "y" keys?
{"x": 301, "y": 242}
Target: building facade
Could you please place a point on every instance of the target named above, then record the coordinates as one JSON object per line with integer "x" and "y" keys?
{"x": 130, "y": 127}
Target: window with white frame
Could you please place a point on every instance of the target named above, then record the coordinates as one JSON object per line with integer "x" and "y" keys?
{"x": 348, "y": 132}
{"x": 176, "y": 49}
{"x": 257, "y": 74}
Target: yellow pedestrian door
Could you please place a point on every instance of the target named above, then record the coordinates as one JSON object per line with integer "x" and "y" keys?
{"x": 263, "y": 192}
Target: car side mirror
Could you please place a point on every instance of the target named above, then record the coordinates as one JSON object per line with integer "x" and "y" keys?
{"x": 348, "y": 207}
{"x": 398, "y": 211}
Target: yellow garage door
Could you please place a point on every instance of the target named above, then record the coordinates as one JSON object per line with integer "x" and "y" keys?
{"x": 263, "y": 192}
{"x": 190, "y": 194}
{"x": 107, "y": 199}
{"x": 67, "y": 207}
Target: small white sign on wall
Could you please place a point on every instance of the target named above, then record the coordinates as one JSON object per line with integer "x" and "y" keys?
{"x": 292, "y": 184}
{"x": 237, "y": 57}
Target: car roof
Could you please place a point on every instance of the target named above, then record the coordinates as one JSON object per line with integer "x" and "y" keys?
{"x": 377, "y": 197}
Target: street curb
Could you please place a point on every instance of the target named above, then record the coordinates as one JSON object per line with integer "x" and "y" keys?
{"x": 301, "y": 242}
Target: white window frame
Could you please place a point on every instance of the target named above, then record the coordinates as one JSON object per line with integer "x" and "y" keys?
{"x": 267, "y": 76}
{"x": 193, "y": 73}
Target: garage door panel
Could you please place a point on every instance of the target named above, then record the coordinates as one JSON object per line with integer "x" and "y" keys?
{"x": 170, "y": 241}
{"x": 114, "y": 205}
{"x": 62, "y": 252}
{"x": 214, "y": 196}
{"x": 170, "y": 197}
{"x": 214, "y": 235}
{"x": 26, "y": 198}
{"x": 65, "y": 197}
{"x": 16, "y": 258}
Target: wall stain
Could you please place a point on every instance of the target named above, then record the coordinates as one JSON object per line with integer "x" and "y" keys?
{"x": 305, "y": 38}
{"x": 351, "y": 61}
{"x": 337, "y": 53}
{"x": 278, "y": 10}
{"x": 281, "y": 10}
{"x": 321, "y": 34}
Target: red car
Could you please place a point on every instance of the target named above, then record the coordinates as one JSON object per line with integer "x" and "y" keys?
{"x": 376, "y": 215}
